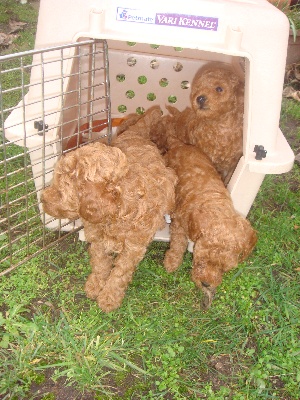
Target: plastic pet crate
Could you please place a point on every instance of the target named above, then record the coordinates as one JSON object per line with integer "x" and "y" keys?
{"x": 95, "y": 62}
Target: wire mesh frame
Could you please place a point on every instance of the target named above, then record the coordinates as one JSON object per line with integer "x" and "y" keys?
{"x": 71, "y": 93}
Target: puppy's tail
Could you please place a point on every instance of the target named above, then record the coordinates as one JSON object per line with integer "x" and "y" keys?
{"x": 173, "y": 111}
{"x": 145, "y": 124}
{"x": 152, "y": 125}
{"x": 129, "y": 121}
{"x": 163, "y": 132}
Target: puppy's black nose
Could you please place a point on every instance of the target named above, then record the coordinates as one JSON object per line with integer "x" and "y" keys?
{"x": 201, "y": 100}
{"x": 205, "y": 284}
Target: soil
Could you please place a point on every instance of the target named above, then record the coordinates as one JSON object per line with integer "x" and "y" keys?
{"x": 58, "y": 390}
{"x": 291, "y": 130}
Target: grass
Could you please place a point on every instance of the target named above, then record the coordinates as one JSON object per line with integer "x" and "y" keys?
{"x": 56, "y": 344}
{"x": 293, "y": 15}
{"x": 159, "y": 343}
{"x": 13, "y": 10}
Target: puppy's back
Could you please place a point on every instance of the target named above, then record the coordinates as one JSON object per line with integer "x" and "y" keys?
{"x": 204, "y": 206}
{"x": 197, "y": 177}
{"x": 147, "y": 167}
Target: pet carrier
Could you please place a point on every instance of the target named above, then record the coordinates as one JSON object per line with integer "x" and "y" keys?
{"x": 94, "y": 62}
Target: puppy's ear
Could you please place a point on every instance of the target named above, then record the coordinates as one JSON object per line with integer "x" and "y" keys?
{"x": 98, "y": 162}
{"x": 99, "y": 202}
{"x": 241, "y": 239}
{"x": 64, "y": 169}
{"x": 249, "y": 240}
{"x": 68, "y": 162}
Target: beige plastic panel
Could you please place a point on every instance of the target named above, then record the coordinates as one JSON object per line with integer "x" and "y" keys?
{"x": 143, "y": 75}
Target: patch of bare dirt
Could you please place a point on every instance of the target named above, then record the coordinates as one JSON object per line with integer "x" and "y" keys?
{"x": 291, "y": 128}
{"x": 35, "y": 4}
{"x": 292, "y": 79}
{"x": 58, "y": 389}
{"x": 9, "y": 32}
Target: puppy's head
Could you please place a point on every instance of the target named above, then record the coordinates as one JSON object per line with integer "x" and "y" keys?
{"x": 215, "y": 91}
{"x": 223, "y": 253}
{"x": 99, "y": 172}
{"x": 86, "y": 184}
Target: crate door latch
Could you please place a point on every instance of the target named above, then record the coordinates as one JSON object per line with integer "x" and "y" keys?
{"x": 260, "y": 152}
{"x": 41, "y": 127}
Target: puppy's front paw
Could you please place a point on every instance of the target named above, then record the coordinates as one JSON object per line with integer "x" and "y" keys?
{"x": 93, "y": 286}
{"x": 171, "y": 262}
{"x": 109, "y": 301}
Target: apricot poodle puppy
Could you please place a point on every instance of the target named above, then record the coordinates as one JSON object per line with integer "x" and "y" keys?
{"x": 121, "y": 193}
{"x": 204, "y": 213}
{"x": 214, "y": 123}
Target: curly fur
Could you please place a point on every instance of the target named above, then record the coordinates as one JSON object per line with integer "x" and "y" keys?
{"x": 204, "y": 213}
{"x": 120, "y": 200}
{"x": 214, "y": 122}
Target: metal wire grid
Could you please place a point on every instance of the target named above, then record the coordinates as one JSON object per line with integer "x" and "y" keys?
{"x": 70, "y": 86}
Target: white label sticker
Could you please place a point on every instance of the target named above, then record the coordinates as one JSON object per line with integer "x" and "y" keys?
{"x": 169, "y": 19}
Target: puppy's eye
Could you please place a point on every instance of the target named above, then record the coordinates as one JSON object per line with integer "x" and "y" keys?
{"x": 219, "y": 89}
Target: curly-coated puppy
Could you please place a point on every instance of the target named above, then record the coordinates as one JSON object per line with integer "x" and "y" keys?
{"x": 214, "y": 123}
{"x": 204, "y": 213}
{"x": 121, "y": 192}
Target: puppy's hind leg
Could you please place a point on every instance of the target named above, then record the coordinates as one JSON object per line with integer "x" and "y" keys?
{"x": 178, "y": 245}
{"x": 101, "y": 263}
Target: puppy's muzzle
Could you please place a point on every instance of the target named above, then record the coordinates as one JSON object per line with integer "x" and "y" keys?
{"x": 201, "y": 100}
{"x": 205, "y": 284}
{"x": 208, "y": 295}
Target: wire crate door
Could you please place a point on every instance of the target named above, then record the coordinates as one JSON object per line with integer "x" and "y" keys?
{"x": 51, "y": 100}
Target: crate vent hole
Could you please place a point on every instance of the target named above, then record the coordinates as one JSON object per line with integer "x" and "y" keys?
{"x": 154, "y": 64}
{"x": 163, "y": 82}
{"x": 140, "y": 110}
{"x": 185, "y": 85}
{"x": 178, "y": 67}
{"x": 172, "y": 99}
{"x": 130, "y": 94}
{"x": 120, "y": 77}
{"x": 131, "y": 61}
{"x": 142, "y": 80}
{"x": 122, "y": 108}
{"x": 151, "y": 96}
